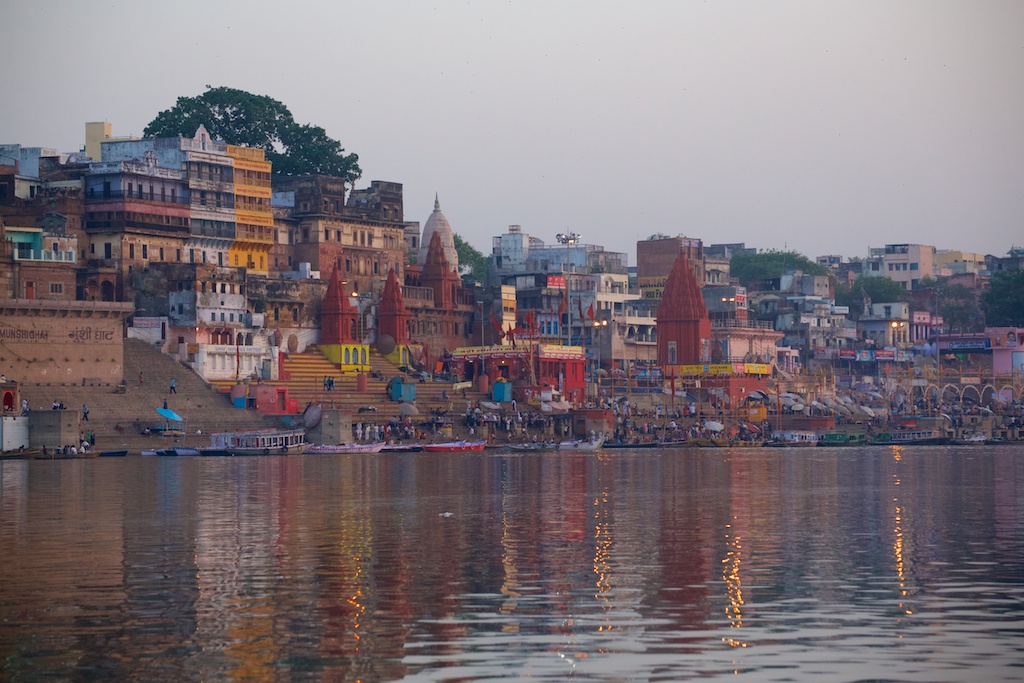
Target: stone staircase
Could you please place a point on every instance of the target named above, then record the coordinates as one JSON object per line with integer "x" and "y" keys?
{"x": 305, "y": 373}
{"x": 202, "y": 407}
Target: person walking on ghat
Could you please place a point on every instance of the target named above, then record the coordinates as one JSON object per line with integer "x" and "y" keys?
{"x": 85, "y": 413}
{"x": 173, "y": 388}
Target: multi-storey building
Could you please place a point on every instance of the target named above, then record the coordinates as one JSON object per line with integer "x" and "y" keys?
{"x": 655, "y": 257}
{"x": 254, "y": 215}
{"x": 363, "y": 237}
{"x": 136, "y": 213}
{"x": 904, "y": 263}
{"x": 209, "y": 177}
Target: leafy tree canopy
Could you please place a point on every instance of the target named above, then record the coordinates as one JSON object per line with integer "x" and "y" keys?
{"x": 957, "y": 304}
{"x": 474, "y": 264}
{"x": 752, "y": 269}
{"x": 241, "y": 118}
{"x": 1003, "y": 301}
{"x": 878, "y": 289}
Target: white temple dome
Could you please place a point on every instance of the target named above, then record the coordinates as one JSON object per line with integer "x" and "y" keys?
{"x": 439, "y": 224}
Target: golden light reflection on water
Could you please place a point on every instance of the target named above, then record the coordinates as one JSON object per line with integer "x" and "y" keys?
{"x": 509, "y": 558}
{"x": 733, "y": 587}
{"x": 899, "y": 513}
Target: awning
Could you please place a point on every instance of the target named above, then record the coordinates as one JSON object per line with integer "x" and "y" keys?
{"x": 169, "y": 414}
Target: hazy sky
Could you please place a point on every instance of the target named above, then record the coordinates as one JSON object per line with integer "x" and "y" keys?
{"x": 825, "y": 127}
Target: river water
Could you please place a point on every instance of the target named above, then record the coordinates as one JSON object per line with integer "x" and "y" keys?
{"x": 880, "y": 563}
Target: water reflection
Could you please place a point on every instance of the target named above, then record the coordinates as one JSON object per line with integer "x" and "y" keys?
{"x": 833, "y": 564}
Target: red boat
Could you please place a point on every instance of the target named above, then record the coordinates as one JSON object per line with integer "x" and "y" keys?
{"x": 454, "y": 446}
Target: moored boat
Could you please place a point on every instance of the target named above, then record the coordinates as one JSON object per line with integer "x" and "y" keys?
{"x": 796, "y": 438}
{"x": 910, "y": 437}
{"x": 402, "y": 448}
{"x": 629, "y": 444}
{"x": 580, "y": 445}
{"x": 454, "y": 446}
{"x": 314, "y": 449}
{"x": 120, "y": 453}
{"x": 531, "y": 446}
{"x": 257, "y": 442}
{"x": 843, "y": 439}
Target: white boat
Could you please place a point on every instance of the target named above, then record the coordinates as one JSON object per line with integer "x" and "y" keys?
{"x": 257, "y": 442}
{"x": 580, "y": 445}
{"x": 795, "y": 438}
{"x": 315, "y": 448}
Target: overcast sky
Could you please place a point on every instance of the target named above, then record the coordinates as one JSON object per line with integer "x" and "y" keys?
{"x": 824, "y": 127}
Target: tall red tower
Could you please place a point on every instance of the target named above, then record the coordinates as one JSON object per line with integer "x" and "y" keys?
{"x": 439, "y": 276}
{"x": 392, "y": 315}
{"x": 684, "y": 329}
{"x": 337, "y": 317}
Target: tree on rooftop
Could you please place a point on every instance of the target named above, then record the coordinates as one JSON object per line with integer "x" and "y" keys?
{"x": 1003, "y": 301}
{"x": 752, "y": 269}
{"x": 474, "y": 263}
{"x": 242, "y": 118}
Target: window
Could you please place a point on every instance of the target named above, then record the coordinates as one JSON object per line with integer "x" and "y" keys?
{"x": 161, "y": 253}
{"x": 107, "y": 250}
{"x": 295, "y": 315}
{"x": 56, "y": 288}
{"x": 277, "y": 314}
{"x": 145, "y": 252}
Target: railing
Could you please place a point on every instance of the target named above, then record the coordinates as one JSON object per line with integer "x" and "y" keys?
{"x": 92, "y": 197}
{"x": 45, "y": 255}
{"x": 743, "y": 324}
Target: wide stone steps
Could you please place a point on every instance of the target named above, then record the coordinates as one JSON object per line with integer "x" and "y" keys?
{"x": 113, "y": 416}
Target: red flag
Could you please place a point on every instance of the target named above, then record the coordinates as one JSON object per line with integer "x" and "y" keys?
{"x": 511, "y": 334}
{"x": 561, "y": 307}
{"x": 579, "y": 307}
{"x": 590, "y": 311}
{"x": 497, "y": 327}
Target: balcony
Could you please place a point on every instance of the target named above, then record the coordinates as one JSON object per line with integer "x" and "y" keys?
{"x": 742, "y": 324}
{"x": 45, "y": 255}
{"x": 118, "y": 195}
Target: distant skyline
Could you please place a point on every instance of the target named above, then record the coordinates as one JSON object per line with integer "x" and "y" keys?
{"x": 827, "y": 128}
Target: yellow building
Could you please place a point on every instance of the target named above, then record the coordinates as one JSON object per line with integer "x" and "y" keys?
{"x": 254, "y": 217}
{"x": 96, "y": 133}
{"x": 957, "y": 262}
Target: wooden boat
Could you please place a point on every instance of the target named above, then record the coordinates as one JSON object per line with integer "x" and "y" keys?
{"x": 796, "y": 438}
{"x": 114, "y": 454}
{"x": 629, "y": 444}
{"x": 843, "y": 439}
{"x": 454, "y": 446}
{"x": 315, "y": 449}
{"x": 531, "y": 447}
{"x": 38, "y": 455}
{"x": 910, "y": 437}
{"x": 257, "y": 442}
{"x": 402, "y": 448}
{"x": 580, "y": 445}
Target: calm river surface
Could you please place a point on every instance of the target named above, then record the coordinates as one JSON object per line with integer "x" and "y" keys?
{"x": 882, "y": 563}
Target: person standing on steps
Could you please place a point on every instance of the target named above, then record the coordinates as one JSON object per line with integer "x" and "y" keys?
{"x": 85, "y": 413}
{"x": 174, "y": 390}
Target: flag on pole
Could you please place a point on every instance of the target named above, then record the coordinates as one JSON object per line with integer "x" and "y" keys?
{"x": 497, "y": 326}
{"x": 590, "y": 311}
{"x": 562, "y": 307}
{"x": 579, "y": 307}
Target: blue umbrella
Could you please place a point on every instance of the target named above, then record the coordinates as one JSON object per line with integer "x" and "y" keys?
{"x": 169, "y": 414}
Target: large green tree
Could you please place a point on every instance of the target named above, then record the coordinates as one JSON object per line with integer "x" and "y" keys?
{"x": 957, "y": 304}
{"x": 241, "y": 118}
{"x": 1003, "y": 301}
{"x": 879, "y": 290}
{"x": 471, "y": 260}
{"x": 752, "y": 269}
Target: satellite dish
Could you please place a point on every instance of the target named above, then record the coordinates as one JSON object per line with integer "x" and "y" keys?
{"x": 385, "y": 344}
{"x": 312, "y": 415}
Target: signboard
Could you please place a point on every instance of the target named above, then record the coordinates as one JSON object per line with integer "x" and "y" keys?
{"x": 727, "y": 369}
{"x": 865, "y": 355}
{"x": 147, "y": 323}
{"x": 970, "y": 380}
{"x": 885, "y": 354}
{"x": 557, "y": 281}
{"x": 966, "y": 344}
{"x": 849, "y": 354}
